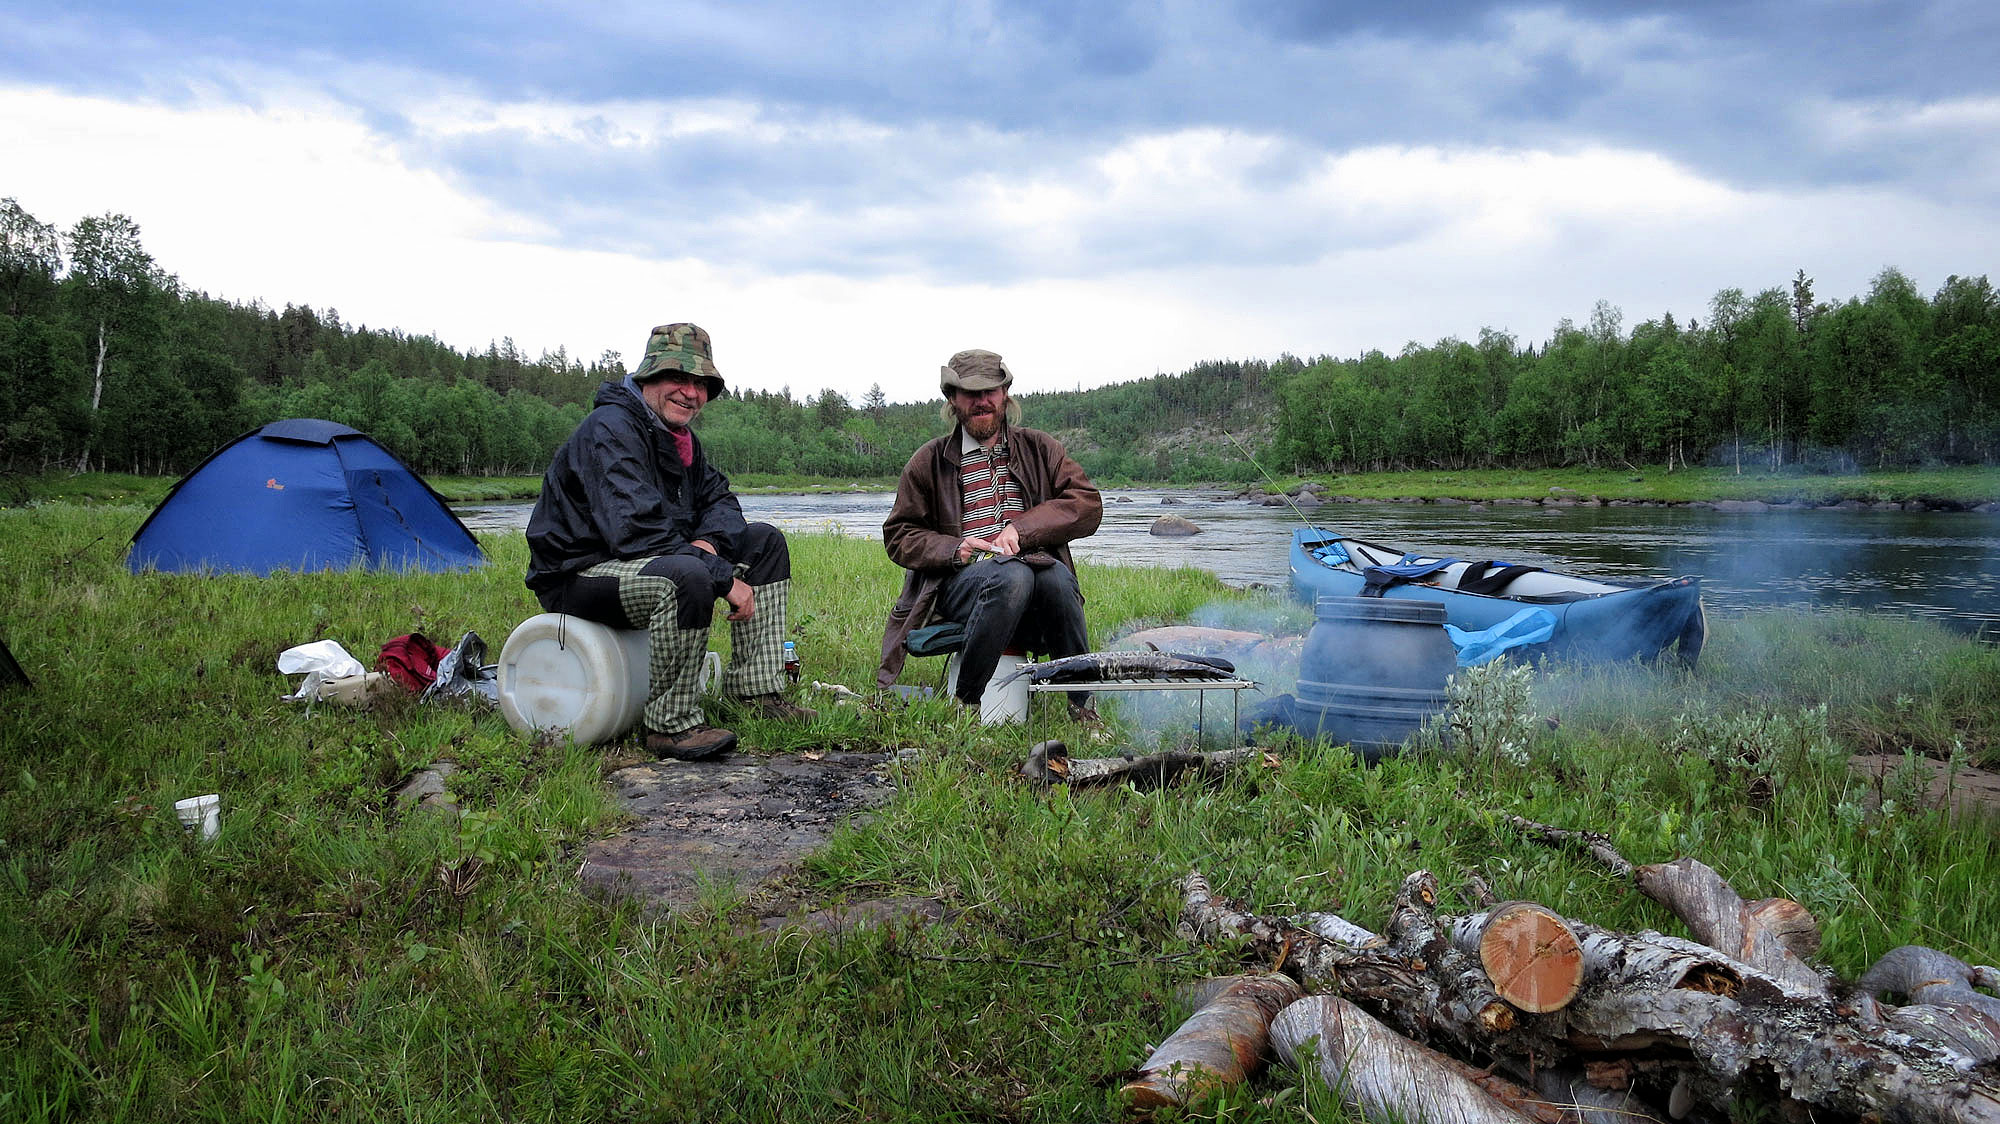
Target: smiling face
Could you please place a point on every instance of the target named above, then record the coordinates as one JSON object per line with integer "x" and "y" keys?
{"x": 676, "y": 396}
{"x": 980, "y": 411}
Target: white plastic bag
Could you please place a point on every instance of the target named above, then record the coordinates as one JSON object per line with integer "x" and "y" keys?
{"x": 320, "y": 660}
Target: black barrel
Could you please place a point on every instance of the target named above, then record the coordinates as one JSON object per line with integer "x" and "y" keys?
{"x": 1372, "y": 670}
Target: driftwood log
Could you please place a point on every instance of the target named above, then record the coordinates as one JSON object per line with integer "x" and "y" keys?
{"x": 1654, "y": 1018}
{"x": 1223, "y": 1043}
{"x": 1942, "y": 1004}
{"x": 1049, "y": 762}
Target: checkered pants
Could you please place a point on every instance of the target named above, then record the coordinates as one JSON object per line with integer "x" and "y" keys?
{"x": 674, "y": 654}
{"x": 642, "y": 593}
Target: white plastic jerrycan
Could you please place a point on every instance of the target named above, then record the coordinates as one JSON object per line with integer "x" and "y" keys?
{"x": 568, "y": 675}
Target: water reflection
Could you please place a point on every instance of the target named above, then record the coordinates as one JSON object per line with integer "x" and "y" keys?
{"x": 1937, "y": 564}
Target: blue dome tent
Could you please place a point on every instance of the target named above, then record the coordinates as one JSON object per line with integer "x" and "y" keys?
{"x": 303, "y": 494}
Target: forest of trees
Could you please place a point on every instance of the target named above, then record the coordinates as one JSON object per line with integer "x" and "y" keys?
{"x": 1774, "y": 379}
{"x": 108, "y": 362}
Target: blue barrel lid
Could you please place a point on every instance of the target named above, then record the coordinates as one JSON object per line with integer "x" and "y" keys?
{"x": 1395, "y": 610}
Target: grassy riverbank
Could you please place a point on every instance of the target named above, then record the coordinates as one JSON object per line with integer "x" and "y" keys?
{"x": 1948, "y": 487}
{"x": 333, "y": 956}
{"x": 1952, "y": 487}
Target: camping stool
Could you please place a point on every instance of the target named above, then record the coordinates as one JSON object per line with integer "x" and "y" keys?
{"x": 1008, "y": 703}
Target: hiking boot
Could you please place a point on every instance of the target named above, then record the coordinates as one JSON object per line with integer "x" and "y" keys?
{"x": 775, "y": 706}
{"x": 692, "y": 744}
{"x": 1085, "y": 714}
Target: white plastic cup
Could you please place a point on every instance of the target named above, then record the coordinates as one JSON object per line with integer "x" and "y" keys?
{"x": 711, "y": 672}
{"x": 201, "y": 815}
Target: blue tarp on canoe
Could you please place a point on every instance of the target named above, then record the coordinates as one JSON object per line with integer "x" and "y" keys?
{"x": 1596, "y": 618}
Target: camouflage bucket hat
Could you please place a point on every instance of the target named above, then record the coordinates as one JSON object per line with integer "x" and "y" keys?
{"x": 974, "y": 370}
{"x": 680, "y": 347}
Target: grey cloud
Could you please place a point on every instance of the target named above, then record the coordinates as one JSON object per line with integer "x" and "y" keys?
{"x": 1334, "y": 74}
{"x": 1750, "y": 94}
{"x": 1114, "y": 39}
{"x": 1316, "y": 21}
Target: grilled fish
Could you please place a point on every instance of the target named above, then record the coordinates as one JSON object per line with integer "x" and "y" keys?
{"x": 1119, "y": 667}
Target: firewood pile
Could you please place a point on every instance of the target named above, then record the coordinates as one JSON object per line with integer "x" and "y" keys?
{"x": 1517, "y": 1013}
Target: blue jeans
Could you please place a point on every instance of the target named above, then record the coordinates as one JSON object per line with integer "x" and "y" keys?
{"x": 1006, "y": 603}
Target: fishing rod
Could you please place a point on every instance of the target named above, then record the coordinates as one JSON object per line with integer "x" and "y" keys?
{"x": 1273, "y": 481}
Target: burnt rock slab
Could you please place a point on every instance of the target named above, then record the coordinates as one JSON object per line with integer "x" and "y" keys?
{"x": 738, "y": 820}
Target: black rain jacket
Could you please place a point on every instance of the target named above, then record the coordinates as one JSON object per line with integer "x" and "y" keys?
{"x": 617, "y": 489}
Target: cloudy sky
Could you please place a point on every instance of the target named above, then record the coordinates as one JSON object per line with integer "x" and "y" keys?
{"x": 844, "y": 193}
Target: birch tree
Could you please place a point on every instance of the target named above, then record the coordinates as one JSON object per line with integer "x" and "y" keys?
{"x": 111, "y": 276}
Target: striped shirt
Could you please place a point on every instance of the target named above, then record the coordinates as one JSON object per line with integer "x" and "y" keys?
{"x": 992, "y": 497}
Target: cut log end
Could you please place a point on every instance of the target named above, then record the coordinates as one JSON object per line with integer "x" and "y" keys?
{"x": 1532, "y": 956}
{"x": 1793, "y": 924}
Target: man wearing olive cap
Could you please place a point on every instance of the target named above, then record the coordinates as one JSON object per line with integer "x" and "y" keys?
{"x": 982, "y": 524}
{"x": 635, "y": 529}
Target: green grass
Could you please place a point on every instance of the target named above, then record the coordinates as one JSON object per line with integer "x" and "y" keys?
{"x": 334, "y": 957}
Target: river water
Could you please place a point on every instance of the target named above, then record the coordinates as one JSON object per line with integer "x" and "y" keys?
{"x": 1944, "y": 565}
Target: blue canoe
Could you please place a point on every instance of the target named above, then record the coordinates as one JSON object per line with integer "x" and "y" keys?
{"x": 1595, "y": 618}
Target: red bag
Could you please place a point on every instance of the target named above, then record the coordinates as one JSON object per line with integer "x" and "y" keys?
{"x": 410, "y": 660}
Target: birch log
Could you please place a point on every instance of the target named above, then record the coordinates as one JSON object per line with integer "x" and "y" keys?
{"x": 1222, "y": 1043}
{"x": 1387, "y": 1077}
{"x": 1773, "y": 935}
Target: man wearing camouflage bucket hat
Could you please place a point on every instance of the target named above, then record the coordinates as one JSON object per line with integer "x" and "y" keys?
{"x": 982, "y": 524}
{"x": 636, "y": 529}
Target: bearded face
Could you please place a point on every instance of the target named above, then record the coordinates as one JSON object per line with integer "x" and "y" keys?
{"x": 980, "y": 411}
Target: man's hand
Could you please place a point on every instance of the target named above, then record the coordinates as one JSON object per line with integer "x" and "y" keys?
{"x": 704, "y": 544}
{"x": 1008, "y": 541}
{"x": 742, "y": 601}
{"x": 1005, "y": 543}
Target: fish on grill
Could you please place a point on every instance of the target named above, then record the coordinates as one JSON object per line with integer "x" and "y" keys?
{"x": 1123, "y": 667}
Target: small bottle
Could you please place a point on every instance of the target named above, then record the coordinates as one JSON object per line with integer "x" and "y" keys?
{"x": 791, "y": 661}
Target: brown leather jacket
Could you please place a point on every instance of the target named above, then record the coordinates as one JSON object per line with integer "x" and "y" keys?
{"x": 927, "y": 522}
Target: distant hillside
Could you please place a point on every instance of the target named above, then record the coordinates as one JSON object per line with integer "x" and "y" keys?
{"x": 1205, "y": 424}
